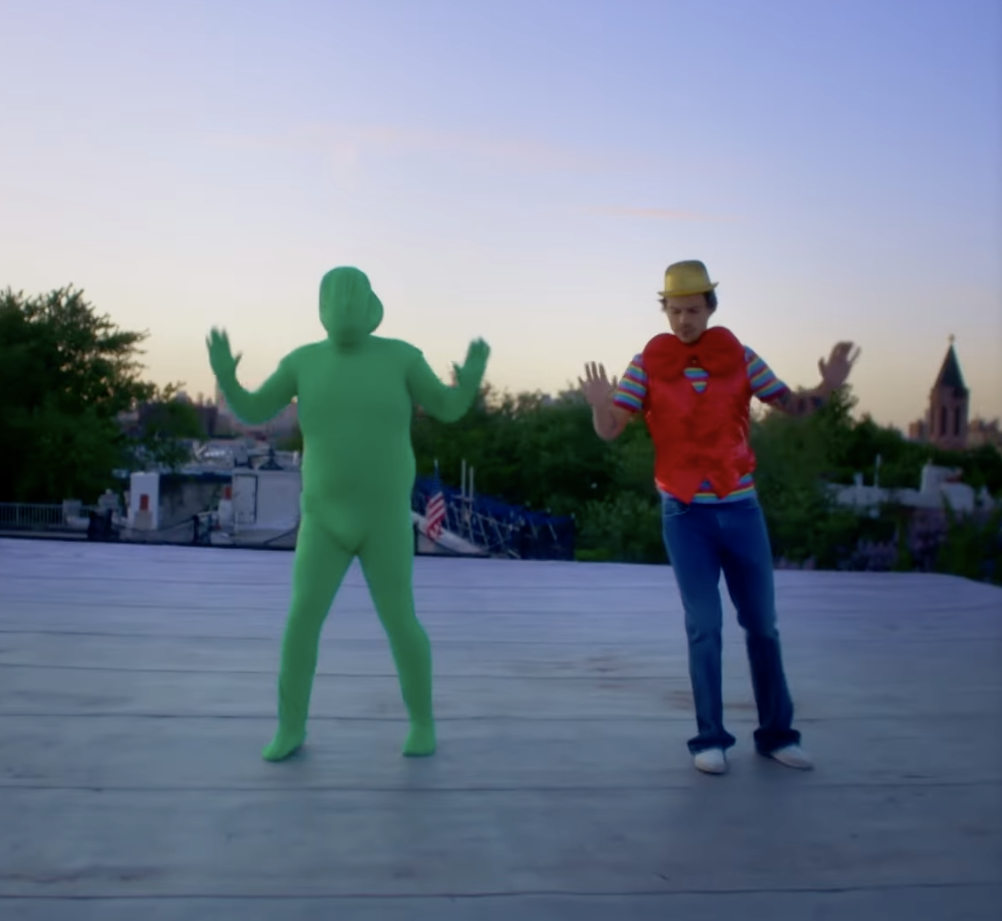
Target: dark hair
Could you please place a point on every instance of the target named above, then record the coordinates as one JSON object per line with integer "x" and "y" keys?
{"x": 710, "y": 296}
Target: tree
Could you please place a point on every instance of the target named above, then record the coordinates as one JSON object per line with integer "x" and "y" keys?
{"x": 982, "y": 467}
{"x": 796, "y": 458}
{"x": 527, "y": 449}
{"x": 166, "y": 424}
{"x": 66, "y": 374}
{"x": 900, "y": 460}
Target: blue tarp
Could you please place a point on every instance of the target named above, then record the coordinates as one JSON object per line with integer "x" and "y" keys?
{"x": 530, "y": 534}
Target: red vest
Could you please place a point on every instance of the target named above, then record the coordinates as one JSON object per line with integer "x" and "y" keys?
{"x": 698, "y": 436}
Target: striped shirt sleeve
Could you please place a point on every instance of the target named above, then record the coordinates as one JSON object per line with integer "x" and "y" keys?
{"x": 631, "y": 392}
{"x": 764, "y": 383}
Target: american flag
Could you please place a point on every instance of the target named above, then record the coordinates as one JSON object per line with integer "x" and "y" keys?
{"x": 434, "y": 511}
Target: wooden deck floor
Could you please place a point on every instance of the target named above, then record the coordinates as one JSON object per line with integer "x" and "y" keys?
{"x": 137, "y": 686}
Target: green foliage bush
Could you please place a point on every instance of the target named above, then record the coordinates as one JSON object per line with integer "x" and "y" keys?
{"x": 66, "y": 374}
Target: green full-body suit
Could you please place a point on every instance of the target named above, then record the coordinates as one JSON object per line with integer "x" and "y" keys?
{"x": 356, "y": 395}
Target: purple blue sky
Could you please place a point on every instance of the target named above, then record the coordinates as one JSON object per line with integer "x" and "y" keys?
{"x": 522, "y": 171}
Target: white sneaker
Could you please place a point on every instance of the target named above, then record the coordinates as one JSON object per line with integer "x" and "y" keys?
{"x": 793, "y": 756}
{"x": 711, "y": 761}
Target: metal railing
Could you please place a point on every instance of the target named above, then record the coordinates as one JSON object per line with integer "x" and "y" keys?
{"x": 514, "y": 532}
{"x": 32, "y": 516}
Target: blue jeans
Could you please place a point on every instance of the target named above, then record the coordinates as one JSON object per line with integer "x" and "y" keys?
{"x": 702, "y": 539}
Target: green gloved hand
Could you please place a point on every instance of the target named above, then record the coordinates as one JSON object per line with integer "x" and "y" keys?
{"x": 470, "y": 375}
{"x": 221, "y": 359}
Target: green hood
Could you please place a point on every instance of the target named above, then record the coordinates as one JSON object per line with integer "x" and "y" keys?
{"x": 349, "y": 309}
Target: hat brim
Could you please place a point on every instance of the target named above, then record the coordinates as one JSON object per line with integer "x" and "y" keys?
{"x": 688, "y": 292}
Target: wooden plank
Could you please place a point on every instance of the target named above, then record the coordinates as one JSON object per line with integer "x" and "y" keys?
{"x": 464, "y": 842}
{"x": 27, "y": 691}
{"x": 135, "y": 753}
{"x": 471, "y": 625}
{"x": 927, "y": 903}
{"x": 958, "y": 662}
{"x": 851, "y": 600}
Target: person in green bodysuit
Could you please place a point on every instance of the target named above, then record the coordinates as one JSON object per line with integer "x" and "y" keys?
{"x": 356, "y": 394}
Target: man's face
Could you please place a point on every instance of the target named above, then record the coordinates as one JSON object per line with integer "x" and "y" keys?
{"x": 687, "y": 315}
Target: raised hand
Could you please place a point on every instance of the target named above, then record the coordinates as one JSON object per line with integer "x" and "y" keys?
{"x": 221, "y": 358}
{"x": 596, "y": 386}
{"x": 835, "y": 371}
{"x": 473, "y": 368}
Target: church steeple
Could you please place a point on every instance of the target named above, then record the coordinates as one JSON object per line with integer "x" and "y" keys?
{"x": 948, "y": 405}
{"x": 950, "y": 376}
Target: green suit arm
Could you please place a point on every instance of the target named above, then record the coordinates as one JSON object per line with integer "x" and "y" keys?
{"x": 256, "y": 406}
{"x": 251, "y": 407}
{"x": 442, "y": 402}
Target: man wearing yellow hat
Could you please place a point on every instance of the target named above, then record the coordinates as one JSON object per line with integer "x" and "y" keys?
{"x": 694, "y": 387}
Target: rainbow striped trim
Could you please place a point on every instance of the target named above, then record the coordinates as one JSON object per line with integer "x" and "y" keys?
{"x": 706, "y": 496}
{"x": 698, "y": 378}
{"x": 632, "y": 389}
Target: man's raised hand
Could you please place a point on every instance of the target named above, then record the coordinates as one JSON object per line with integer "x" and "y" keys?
{"x": 835, "y": 371}
{"x": 596, "y": 386}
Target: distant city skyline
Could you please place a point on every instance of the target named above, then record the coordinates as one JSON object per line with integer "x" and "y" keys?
{"x": 521, "y": 174}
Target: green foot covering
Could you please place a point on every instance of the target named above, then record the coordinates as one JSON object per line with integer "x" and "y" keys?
{"x": 283, "y": 745}
{"x": 356, "y": 394}
{"x": 420, "y": 742}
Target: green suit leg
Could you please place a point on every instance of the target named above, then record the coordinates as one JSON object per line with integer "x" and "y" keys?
{"x": 387, "y": 559}
{"x": 387, "y": 563}
{"x": 319, "y": 568}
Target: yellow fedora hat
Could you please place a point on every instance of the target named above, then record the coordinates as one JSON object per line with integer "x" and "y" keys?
{"x": 688, "y": 277}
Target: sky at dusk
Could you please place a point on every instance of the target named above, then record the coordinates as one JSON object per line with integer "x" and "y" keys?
{"x": 522, "y": 171}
